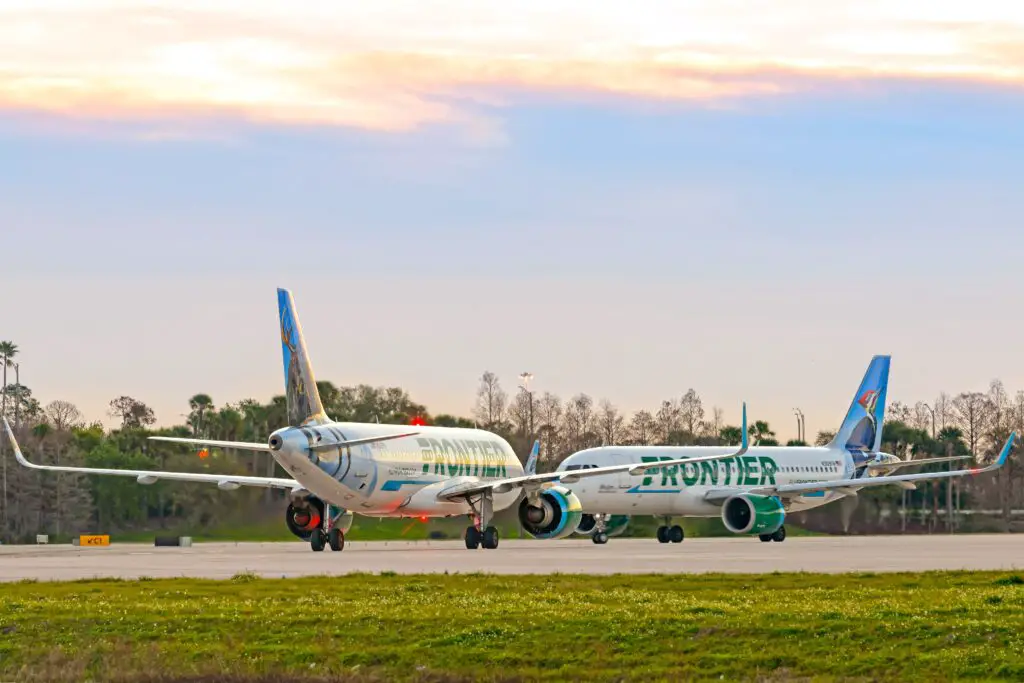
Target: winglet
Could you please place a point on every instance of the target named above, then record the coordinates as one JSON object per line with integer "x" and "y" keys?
{"x": 745, "y": 442}
{"x": 531, "y": 462}
{"x": 1005, "y": 453}
{"x": 18, "y": 455}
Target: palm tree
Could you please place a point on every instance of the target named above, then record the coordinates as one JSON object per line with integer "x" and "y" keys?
{"x": 761, "y": 434}
{"x": 730, "y": 435}
{"x": 200, "y": 403}
{"x": 8, "y": 350}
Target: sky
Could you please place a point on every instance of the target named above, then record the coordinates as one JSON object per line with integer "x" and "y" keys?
{"x": 749, "y": 198}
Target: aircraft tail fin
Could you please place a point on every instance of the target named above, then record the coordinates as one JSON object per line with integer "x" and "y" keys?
{"x": 531, "y": 462}
{"x": 861, "y": 431}
{"x": 301, "y": 395}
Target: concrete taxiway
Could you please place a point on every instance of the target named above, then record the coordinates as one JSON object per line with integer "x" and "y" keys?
{"x": 628, "y": 556}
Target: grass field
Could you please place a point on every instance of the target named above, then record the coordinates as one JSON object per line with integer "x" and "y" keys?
{"x": 905, "y": 627}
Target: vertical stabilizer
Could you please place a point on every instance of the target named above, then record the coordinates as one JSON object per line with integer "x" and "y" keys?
{"x": 861, "y": 431}
{"x": 301, "y": 395}
{"x": 531, "y": 462}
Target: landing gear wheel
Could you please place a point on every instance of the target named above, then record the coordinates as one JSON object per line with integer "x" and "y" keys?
{"x": 599, "y": 538}
{"x": 675, "y": 534}
{"x": 490, "y": 541}
{"x": 472, "y": 538}
{"x": 317, "y": 540}
{"x": 780, "y": 535}
{"x": 765, "y": 538}
{"x": 662, "y": 534}
{"x": 336, "y": 539}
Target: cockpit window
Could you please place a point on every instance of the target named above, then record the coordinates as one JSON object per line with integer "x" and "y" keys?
{"x": 574, "y": 467}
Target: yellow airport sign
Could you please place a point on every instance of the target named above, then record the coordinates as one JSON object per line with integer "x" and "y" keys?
{"x": 94, "y": 540}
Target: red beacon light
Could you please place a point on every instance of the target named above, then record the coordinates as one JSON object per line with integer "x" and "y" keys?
{"x": 418, "y": 422}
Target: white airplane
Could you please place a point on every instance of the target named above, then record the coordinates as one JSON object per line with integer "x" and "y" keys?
{"x": 752, "y": 491}
{"x": 341, "y": 468}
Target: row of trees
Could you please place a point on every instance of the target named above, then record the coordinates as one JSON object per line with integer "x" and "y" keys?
{"x": 967, "y": 423}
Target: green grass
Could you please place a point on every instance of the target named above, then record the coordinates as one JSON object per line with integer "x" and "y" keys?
{"x": 937, "y": 626}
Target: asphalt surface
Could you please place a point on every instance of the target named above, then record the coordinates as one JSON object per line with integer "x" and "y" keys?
{"x": 637, "y": 556}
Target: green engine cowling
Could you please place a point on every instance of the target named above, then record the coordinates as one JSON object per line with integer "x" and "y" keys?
{"x": 614, "y": 526}
{"x": 748, "y": 513}
{"x": 555, "y": 514}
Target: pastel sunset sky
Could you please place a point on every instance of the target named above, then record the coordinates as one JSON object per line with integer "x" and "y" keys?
{"x": 750, "y": 198}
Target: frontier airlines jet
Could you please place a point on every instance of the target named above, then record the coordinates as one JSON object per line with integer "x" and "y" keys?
{"x": 752, "y": 490}
{"x": 341, "y": 468}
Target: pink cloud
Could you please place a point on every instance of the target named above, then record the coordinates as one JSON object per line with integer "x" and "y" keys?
{"x": 399, "y": 64}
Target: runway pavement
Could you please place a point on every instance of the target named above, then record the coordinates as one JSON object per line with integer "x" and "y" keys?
{"x": 741, "y": 555}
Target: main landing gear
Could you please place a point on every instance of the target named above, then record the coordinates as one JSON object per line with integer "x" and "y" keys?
{"x": 600, "y": 535}
{"x": 327, "y": 535}
{"x": 480, "y": 533}
{"x": 670, "y": 534}
{"x": 488, "y": 538}
{"x": 778, "y": 536}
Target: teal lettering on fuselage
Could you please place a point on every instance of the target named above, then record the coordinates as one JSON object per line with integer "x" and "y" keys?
{"x": 749, "y": 470}
{"x": 454, "y": 458}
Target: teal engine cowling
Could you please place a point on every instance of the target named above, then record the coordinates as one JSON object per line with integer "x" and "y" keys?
{"x": 614, "y": 525}
{"x": 748, "y": 513}
{"x": 555, "y": 514}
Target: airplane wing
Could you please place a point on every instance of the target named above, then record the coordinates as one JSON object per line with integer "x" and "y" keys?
{"x": 853, "y": 485}
{"x": 224, "y": 481}
{"x": 911, "y": 463}
{"x": 532, "y": 481}
{"x": 242, "y": 445}
{"x": 246, "y": 445}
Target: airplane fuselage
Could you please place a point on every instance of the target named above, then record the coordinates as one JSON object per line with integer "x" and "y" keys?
{"x": 400, "y": 477}
{"x": 683, "y": 490}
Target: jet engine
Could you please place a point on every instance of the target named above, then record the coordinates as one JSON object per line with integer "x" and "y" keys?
{"x": 752, "y": 514}
{"x": 555, "y": 513}
{"x": 305, "y": 514}
{"x": 614, "y": 525}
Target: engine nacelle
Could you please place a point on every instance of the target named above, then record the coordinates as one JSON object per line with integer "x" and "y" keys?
{"x": 306, "y": 514}
{"x": 614, "y": 525}
{"x": 752, "y": 514}
{"x": 302, "y": 516}
{"x": 556, "y": 515}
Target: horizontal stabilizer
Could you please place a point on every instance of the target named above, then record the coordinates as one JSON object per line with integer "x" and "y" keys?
{"x": 359, "y": 442}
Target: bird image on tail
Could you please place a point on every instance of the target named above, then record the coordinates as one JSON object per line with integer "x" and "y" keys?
{"x": 861, "y": 431}
{"x": 301, "y": 395}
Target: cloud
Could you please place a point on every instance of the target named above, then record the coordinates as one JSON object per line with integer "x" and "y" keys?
{"x": 398, "y": 65}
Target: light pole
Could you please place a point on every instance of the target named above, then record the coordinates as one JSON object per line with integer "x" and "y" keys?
{"x": 801, "y": 433}
{"x": 525, "y": 378}
{"x": 17, "y": 399}
{"x": 932, "y": 411}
